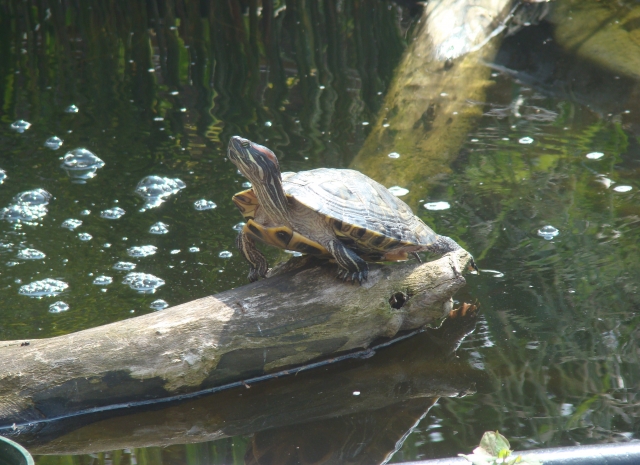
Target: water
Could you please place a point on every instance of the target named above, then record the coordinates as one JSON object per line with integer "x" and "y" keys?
{"x": 554, "y": 358}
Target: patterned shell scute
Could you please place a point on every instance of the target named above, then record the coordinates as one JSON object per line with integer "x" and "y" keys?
{"x": 357, "y": 201}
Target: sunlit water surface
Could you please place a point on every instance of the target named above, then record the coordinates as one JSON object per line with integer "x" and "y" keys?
{"x": 115, "y": 196}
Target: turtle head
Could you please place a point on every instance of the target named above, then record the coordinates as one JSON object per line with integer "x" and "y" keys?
{"x": 260, "y": 165}
{"x": 256, "y": 162}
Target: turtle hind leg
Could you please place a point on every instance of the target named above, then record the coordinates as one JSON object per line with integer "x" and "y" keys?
{"x": 256, "y": 259}
{"x": 351, "y": 266}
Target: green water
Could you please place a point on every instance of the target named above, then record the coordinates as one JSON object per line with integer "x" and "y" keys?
{"x": 160, "y": 88}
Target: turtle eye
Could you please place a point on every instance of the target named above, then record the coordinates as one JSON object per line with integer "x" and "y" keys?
{"x": 245, "y": 143}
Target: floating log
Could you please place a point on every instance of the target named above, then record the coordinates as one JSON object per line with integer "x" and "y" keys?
{"x": 289, "y": 319}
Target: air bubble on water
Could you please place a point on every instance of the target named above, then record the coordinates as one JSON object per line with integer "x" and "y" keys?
{"x": 606, "y": 182}
{"x": 594, "y": 155}
{"x": 71, "y": 109}
{"x": 203, "y": 204}
{"x": 44, "y": 288}
{"x": 225, "y": 254}
{"x": 20, "y": 126}
{"x": 174, "y": 92}
{"x": 386, "y": 125}
{"x": 239, "y": 226}
{"x": 194, "y": 249}
{"x": 525, "y": 140}
{"x": 124, "y": 266}
{"x": 53, "y": 143}
{"x": 434, "y": 206}
{"x": 142, "y": 251}
{"x": 12, "y": 263}
{"x": 247, "y": 185}
{"x": 30, "y": 254}
{"x": 158, "y": 118}
{"x": 622, "y": 188}
{"x": 175, "y": 252}
{"x": 71, "y": 224}
{"x": 158, "y": 304}
{"x": 268, "y": 124}
{"x": 159, "y": 228}
{"x": 106, "y": 245}
{"x": 143, "y": 282}
{"x": 398, "y": 191}
{"x": 83, "y": 236}
{"x": 394, "y": 155}
{"x": 495, "y": 273}
{"x": 365, "y": 123}
{"x": 154, "y": 190}
{"x": 85, "y": 212}
{"x": 548, "y": 232}
{"x": 27, "y": 207}
{"x": 294, "y": 253}
{"x": 103, "y": 280}
{"x": 112, "y": 213}
{"x": 58, "y": 307}
{"x": 81, "y": 164}
{"x": 3, "y": 175}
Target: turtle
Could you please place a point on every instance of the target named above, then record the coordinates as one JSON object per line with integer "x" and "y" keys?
{"x": 334, "y": 213}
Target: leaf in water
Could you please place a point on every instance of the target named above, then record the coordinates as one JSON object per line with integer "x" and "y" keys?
{"x": 494, "y": 449}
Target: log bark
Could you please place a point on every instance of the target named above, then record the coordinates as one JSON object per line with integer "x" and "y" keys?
{"x": 283, "y": 321}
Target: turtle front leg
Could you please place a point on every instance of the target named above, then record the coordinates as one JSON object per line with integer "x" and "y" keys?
{"x": 250, "y": 252}
{"x": 351, "y": 266}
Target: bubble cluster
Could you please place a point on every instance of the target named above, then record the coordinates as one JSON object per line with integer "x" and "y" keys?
{"x": 20, "y": 126}
{"x": 203, "y": 204}
{"x": 112, "y": 213}
{"x": 58, "y": 307}
{"x": 143, "y": 282}
{"x": 124, "y": 266}
{"x": 71, "y": 224}
{"x": 81, "y": 164}
{"x": 548, "y": 232}
{"x": 83, "y": 236}
{"x": 142, "y": 251}
{"x": 158, "y": 304}
{"x": 53, "y": 143}
{"x": 3, "y": 175}
{"x": 30, "y": 254}
{"x": 159, "y": 228}
{"x": 27, "y": 207}
{"x": 44, "y": 288}
{"x": 103, "y": 280}
{"x": 154, "y": 190}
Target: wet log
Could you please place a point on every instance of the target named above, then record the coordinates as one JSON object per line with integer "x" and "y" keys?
{"x": 286, "y": 320}
{"x": 395, "y": 389}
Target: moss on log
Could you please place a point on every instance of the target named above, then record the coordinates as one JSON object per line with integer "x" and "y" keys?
{"x": 283, "y": 321}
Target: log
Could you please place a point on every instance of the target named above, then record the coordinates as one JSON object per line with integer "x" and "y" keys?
{"x": 280, "y": 322}
{"x": 396, "y": 388}
{"x": 426, "y": 115}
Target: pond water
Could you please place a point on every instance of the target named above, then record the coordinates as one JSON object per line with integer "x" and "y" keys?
{"x": 116, "y": 201}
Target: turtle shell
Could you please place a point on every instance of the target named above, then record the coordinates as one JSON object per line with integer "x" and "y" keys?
{"x": 363, "y": 213}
